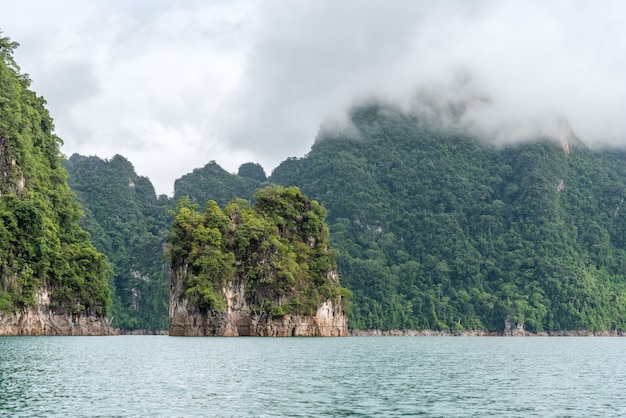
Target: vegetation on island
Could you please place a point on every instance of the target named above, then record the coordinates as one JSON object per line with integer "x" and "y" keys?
{"x": 278, "y": 247}
{"x": 42, "y": 247}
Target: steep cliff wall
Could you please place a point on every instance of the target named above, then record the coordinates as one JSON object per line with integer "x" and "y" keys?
{"x": 240, "y": 320}
{"x": 41, "y": 320}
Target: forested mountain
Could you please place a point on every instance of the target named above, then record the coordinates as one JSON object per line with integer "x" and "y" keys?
{"x": 212, "y": 182}
{"x": 437, "y": 229}
{"x": 48, "y": 266}
{"x": 128, "y": 223}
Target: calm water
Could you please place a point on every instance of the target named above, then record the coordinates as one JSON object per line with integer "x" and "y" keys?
{"x": 354, "y": 376}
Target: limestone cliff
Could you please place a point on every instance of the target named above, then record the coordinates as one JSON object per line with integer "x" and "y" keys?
{"x": 262, "y": 270}
{"x": 41, "y": 320}
{"x": 240, "y": 320}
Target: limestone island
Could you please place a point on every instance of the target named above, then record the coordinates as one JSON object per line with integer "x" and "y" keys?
{"x": 52, "y": 279}
{"x": 255, "y": 270}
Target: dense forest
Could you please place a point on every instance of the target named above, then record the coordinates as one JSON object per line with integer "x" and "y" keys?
{"x": 128, "y": 223}
{"x": 436, "y": 229}
{"x": 212, "y": 182}
{"x": 439, "y": 230}
{"x": 43, "y": 250}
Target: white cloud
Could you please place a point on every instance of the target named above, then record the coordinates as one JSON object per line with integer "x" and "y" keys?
{"x": 173, "y": 85}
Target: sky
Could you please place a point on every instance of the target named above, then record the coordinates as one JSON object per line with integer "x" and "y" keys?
{"x": 172, "y": 85}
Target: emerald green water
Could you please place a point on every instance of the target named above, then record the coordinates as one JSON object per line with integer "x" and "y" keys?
{"x": 307, "y": 377}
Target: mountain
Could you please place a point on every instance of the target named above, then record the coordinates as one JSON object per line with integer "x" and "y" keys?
{"x": 212, "y": 182}
{"x": 438, "y": 229}
{"x": 129, "y": 223}
{"x": 52, "y": 279}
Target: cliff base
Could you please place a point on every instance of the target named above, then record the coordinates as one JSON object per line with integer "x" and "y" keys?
{"x": 327, "y": 322}
{"x": 41, "y": 322}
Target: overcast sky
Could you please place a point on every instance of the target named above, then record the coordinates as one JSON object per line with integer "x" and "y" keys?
{"x": 172, "y": 85}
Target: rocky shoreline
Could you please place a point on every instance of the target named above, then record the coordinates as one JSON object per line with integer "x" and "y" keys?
{"x": 144, "y": 332}
{"x": 68, "y": 325}
{"x": 482, "y": 333}
{"x": 42, "y": 320}
{"x": 241, "y": 320}
{"x": 35, "y": 322}
{"x": 329, "y": 321}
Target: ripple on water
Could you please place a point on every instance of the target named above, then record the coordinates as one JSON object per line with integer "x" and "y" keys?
{"x": 305, "y": 377}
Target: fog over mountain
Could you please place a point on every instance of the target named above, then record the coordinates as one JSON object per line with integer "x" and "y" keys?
{"x": 173, "y": 85}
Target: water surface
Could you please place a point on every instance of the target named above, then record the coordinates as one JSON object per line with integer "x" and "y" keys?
{"x": 308, "y": 377}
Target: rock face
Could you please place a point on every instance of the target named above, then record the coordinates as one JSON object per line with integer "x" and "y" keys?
{"x": 35, "y": 322}
{"x": 240, "y": 320}
{"x": 517, "y": 331}
{"x": 43, "y": 321}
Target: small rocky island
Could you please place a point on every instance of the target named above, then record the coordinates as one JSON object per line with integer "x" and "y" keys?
{"x": 255, "y": 270}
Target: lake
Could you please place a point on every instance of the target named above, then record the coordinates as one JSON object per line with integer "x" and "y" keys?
{"x": 308, "y": 377}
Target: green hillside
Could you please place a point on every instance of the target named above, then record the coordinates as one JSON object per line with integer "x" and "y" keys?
{"x": 438, "y": 230}
{"x": 212, "y": 182}
{"x": 128, "y": 223}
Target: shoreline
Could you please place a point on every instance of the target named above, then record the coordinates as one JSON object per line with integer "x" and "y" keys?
{"x": 144, "y": 332}
{"x": 482, "y": 333}
{"x": 435, "y": 333}
{"x": 380, "y": 333}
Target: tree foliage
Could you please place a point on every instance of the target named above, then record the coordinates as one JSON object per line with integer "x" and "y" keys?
{"x": 253, "y": 171}
{"x": 212, "y": 182}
